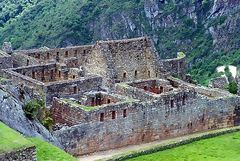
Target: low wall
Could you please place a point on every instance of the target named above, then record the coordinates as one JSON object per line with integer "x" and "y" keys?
{"x": 27, "y": 154}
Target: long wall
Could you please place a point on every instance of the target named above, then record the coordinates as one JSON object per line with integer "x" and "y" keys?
{"x": 64, "y": 113}
{"x": 148, "y": 121}
{"x": 61, "y": 55}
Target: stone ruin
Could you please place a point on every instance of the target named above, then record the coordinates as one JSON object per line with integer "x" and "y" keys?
{"x": 118, "y": 93}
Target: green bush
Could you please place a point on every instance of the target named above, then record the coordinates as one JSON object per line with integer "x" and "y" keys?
{"x": 35, "y": 109}
{"x": 48, "y": 123}
{"x": 233, "y": 87}
{"x": 32, "y": 108}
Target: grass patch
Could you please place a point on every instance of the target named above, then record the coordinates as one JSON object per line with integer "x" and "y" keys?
{"x": 48, "y": 152}
{"x": 75, "y": 104}
{"x": 11, "y": 140}
{"x": 221, "y": 148}
{"x": 180, "y": 55}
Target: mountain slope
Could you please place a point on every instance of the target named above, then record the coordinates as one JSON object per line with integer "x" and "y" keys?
{"x": 10, "y": 9}
{"x": 206, "y": 30}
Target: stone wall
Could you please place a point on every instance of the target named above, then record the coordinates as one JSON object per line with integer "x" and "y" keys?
{"x": 146, "y": 122}
{"x": 123, "y": 60}
{"x": 168, "y": 93}
{"x": 44, "y": 73}
{"x": 175, "y": 67}
{"x": 5, "y": 61}
{"x": 66, "y": 113}
{"x": 21, "y": 79}
{"x": 220, "y": 82}
{"x": 27, "y": 154}
{"x": 76, "y": 53}
{"x": 45, "y": 80}
{"x": 115, "y": 61}
{"x": 20, "y": 60}
{"x": 72, "y": 88}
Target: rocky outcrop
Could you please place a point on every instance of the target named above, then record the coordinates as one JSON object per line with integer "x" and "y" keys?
{"x": 11, "y": 114}
{"x": 7, "y": 47}
{"x": 221, "y": 7}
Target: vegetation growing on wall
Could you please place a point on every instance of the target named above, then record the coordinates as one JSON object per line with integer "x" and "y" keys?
{"x": 35, "y": 109}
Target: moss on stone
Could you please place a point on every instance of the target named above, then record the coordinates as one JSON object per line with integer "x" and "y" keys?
{"x": 125, "y": 85}
{"x": 75, "y": 104}
{"x": 180, "y": 55}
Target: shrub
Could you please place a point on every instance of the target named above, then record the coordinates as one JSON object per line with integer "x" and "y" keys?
{"x": 32, "y": 108}
{"x": 48, "y": 123}
{"x": 233, "y": 87}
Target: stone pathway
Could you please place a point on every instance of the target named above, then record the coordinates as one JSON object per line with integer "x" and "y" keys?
{"x": 116, "y": 152}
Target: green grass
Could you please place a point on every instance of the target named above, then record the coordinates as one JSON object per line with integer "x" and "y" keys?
{"x": 48, "y": 152}
{"x": 11, "y": 140}
{"x": 75, "y": 104}
{"x": 221, "y": 148}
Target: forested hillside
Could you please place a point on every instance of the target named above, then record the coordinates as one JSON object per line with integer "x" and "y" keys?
{"x": 10, "y": 9}
{"x": 206, "y": 30}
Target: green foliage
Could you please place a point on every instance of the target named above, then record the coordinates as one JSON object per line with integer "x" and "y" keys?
{"x": 53, "y": 24}
{"x": 233, "y": 87}
{"x": 218, "y": 21}
{"x": 33, "y": 108}
{"x": 10, "y": 9}
{"x": 48, "y": 123}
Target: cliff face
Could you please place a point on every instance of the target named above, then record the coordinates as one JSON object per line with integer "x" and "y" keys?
{"x": 11, "y": 114}
{"x": 203, "y": 29}
{"x": 174, "y": 25}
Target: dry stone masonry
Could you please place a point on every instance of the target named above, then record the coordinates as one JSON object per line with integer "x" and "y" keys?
{"x": 26, "y": 154}
{"x": 117, "y": 93}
